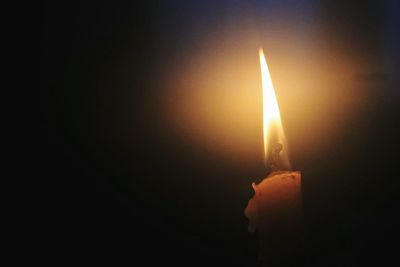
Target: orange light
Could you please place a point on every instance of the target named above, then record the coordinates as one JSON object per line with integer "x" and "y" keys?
{"x": 272, "y": 125}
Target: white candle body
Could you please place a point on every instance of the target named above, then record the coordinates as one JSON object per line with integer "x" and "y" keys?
{"x": 275, "y": 212}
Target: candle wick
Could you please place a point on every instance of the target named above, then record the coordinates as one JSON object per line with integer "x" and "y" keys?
{"x": 276, "y": 149}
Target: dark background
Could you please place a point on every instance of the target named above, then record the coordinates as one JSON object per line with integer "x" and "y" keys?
{"x": 112, "y": 199}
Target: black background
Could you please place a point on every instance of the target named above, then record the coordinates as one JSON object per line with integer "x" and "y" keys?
{"x": 112, "y": 200}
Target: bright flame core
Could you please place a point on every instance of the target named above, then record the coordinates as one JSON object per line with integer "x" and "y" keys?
{"x": 272, "y": 125}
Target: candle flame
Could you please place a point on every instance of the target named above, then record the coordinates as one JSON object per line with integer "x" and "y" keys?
{"x": 272, "y": 125}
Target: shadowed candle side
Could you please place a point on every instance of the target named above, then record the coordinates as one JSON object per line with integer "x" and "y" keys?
{"x": 275, "y": 213}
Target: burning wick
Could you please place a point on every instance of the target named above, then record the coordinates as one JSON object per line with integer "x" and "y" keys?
{"x": 276, "y": 149}
{"x": 275, "y": 210}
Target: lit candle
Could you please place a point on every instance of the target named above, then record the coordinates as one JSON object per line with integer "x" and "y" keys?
{"x": 275, "y": 211}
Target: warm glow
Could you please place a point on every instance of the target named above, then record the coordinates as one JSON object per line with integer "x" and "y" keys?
{"x": 272, "y": 125}
{"x": 211, "y": 97}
